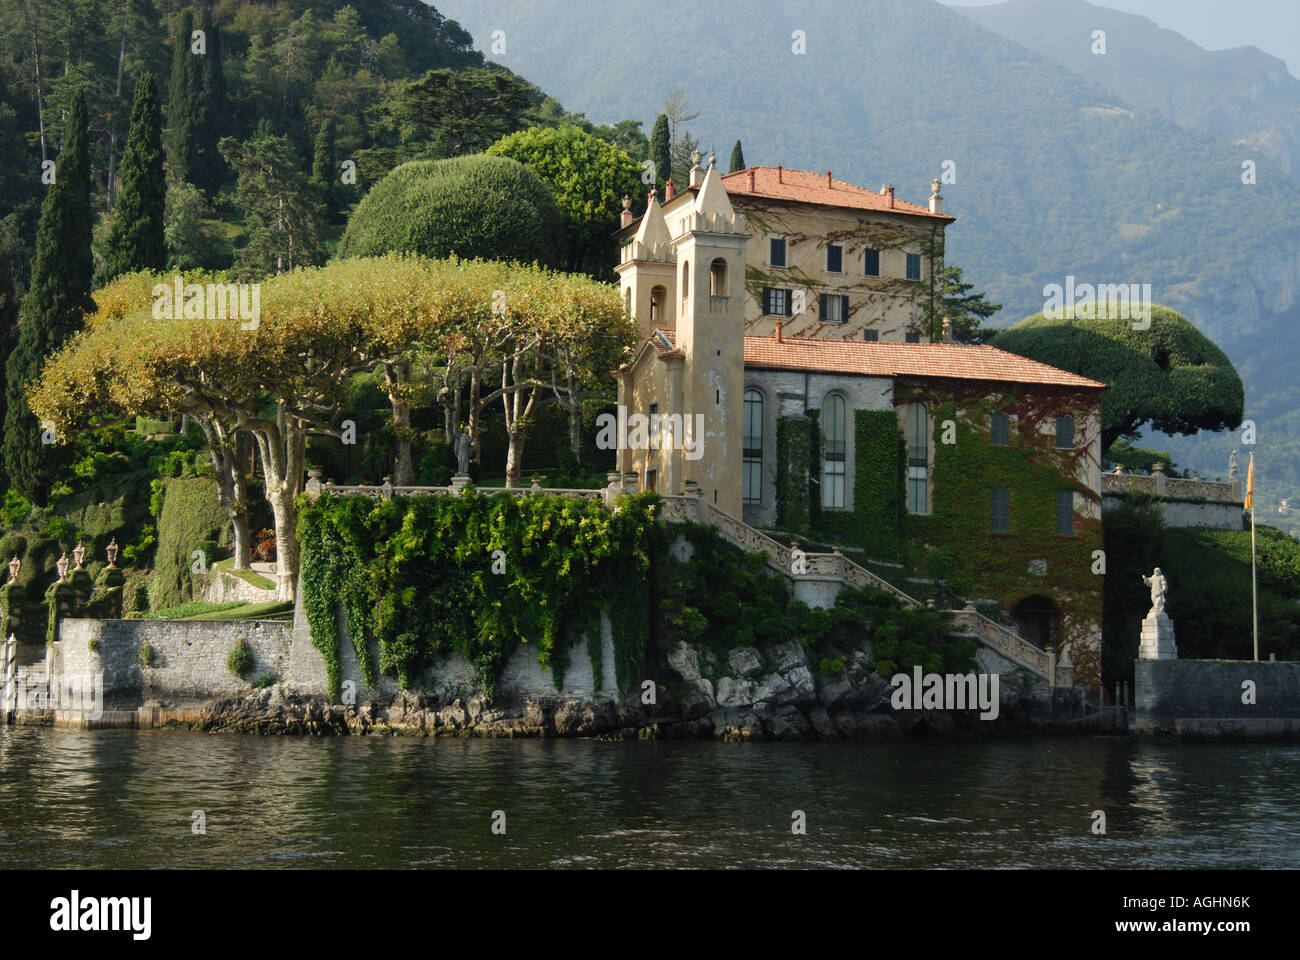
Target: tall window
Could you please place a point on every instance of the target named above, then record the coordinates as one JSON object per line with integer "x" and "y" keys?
{"x": 776, "y": 254}
{"x": 834, "y": 258}
{"x": 999, "y": 430}
{"x": 871, "y": 263}
{"x": 752, "y": 448}
{"x": 657, "y": 296}
{"x": 776, "y": 302}
{"x": 718, "y": 278}
{"x": 834, "y": 450}
{"x": 913, "y": 266}
{"x": 1065, "y": 433}
{"x": 918, "y": 457}
{"x": 833, "y": 307}
{"x": 1001, "y": 509}
{"x": 1065, "y": 512}
{"x": 686, "y": 280}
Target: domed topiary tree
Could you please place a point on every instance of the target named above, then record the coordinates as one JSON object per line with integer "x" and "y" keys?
{"x": 492, "y": 208}
{"x": 1169, "y": 375}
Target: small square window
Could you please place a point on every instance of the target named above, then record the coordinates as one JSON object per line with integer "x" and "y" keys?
{"x": 1065, "y": 512}
{"x": 871, "y": 335}
{"x": 871, "y": 263}
{"x": 999, "y": 430}
{"x": 913, "y": 266}
{"x": 913, "y": 338}
{"x": 834, "y": 258}
{"x": 833, "y": 307}
{"x": 1001, "y": 509}
{"x": 1065, "y": 433}
{"x": 776, "y": 254}
{"x": 776, "y": 302}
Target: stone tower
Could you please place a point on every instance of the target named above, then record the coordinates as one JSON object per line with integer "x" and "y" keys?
{"x": 648, "y": 274}
{"x": 709, "y": 249}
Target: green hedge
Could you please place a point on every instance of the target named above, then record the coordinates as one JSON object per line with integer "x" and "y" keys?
{"x": 189, "y": 519}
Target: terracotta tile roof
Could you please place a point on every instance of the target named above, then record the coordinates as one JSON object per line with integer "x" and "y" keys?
{"x": 950, "y": 361}
{"x": 804, "y": 186}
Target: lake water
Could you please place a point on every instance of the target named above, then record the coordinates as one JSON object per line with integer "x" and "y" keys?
{"x": 124, "y": 799}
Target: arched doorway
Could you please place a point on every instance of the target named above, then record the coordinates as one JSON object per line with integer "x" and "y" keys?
{"x": 1039, "y": 620}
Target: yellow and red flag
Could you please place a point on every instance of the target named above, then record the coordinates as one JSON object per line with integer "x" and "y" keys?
{"x": 1250, "y": 482}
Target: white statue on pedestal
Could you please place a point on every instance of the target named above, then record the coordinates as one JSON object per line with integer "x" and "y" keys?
{"x": 1159, "y": 588}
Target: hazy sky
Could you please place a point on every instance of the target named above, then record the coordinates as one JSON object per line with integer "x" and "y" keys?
{"x": 1271, "y": 25}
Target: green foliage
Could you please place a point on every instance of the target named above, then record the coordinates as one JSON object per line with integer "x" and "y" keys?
{"x": 186, "y": 610}
{"x": 912, "y": 638}
{"x": 8, "y": 338}
{"x": 737, "y": 158}
{"x": 58, "y": 298}
{"x": 794, "y": 441}
{"x": 661, "y": 151}
{"x": 1170, "y": 375}
{"x": 190, "y": 519}
{"x": 137, "y": 240}
{"x": 1132, "y": 458}
{"x": 965, "y": 309}
{"x": 146, "y": 654}
{"x": 876, "y": 522}
{"x": 588, "y": 179}
{"x": 183, "y": 102}
{"x": 264, "y": 681}
{"x": 489, "y": 207}
{"x": 414, "y": 579}
{"x": 829, "y": 666}
{"x": 93, "y": 645}
{"x": 240, "y": 660}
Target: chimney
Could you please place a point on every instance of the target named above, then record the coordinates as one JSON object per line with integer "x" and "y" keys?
{"x": 627, "y": 216}
{"x": 751, "y": 179}
{"x": 670, "y": 189}
{"x": 936, "y": 201}
{"x": 828, "y": 180}
{"x": 778, "y": 174}
{"x": 777, "y": 329}
{"x": 889, "y": 196}
{"x": 947, "y": 330}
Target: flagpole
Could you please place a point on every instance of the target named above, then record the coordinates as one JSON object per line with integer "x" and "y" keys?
{"x": 1254, "y": 588}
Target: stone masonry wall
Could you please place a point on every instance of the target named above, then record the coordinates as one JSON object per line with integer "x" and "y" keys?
{"x": 1206, "y": 695}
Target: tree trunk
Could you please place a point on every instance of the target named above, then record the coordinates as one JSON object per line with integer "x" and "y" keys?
{"x": 397, "y": 376}
{"x": 282, "y": 446}
{"x": 475, "y": 391}
{"x": 575, "y": 416}
{"x": 224, "y": 449}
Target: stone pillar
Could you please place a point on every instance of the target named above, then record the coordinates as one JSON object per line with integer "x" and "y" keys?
{"x": 613, "y": 488}
{"x": 1160, "y": 481}
{"x": 61, "y": 600}
{"x": 13, "y": 600}
{"x": 83, "y": 587}
{"x": 111, "y": 582}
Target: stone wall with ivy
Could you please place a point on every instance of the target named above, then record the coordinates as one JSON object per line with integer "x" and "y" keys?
{"x": 478, "y": 576}
{"x": 877, "y": 521}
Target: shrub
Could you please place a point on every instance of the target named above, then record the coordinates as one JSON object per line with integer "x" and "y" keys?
{"x": 831, "y": 666}
{"x": 264, "y": 681}
{"x": 240, "y": 660}
{"x": 93, "y": 645}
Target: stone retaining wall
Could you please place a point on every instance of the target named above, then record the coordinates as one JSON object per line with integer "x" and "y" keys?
{"x": 1203, "y": 699}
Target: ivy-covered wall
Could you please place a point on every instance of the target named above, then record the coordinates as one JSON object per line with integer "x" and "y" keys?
{"x": 189, "y": 519}
{"x": 476, "y": 575}
{"x": 877, "y": 520}
{"x": 795, "y": 439}
{"x": 956, "y": 540}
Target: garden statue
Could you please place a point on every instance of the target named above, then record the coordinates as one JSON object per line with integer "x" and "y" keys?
{"x": 14, "y": 566}
{"x": 462, "y": 453}
{"x": 1159, "y": 587}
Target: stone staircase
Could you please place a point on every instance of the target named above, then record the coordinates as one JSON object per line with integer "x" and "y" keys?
{"x": 969, "y": 621}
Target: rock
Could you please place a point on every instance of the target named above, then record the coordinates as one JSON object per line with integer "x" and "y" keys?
{"x": 745, "y": 661}
{"x": 801, "y": 680}
{"x": 734, "y": 723}
{"x": 836, "y": 693}
{"x": 822, "y": 723}
{"x": 775, "y": 687}
{"x": 785, "y": 723}
{"x": 685, "y": 660}
{"x": 734, "y": 693}
{"x": 789, "y": 655}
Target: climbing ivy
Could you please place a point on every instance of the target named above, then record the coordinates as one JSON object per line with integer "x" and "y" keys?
{"x": 795, "y": 438}
{"x": 415, "y": 579}
{"x": 876, "y": 522}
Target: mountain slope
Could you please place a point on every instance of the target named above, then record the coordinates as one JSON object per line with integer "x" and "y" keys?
{"x": 1242, "y": 95}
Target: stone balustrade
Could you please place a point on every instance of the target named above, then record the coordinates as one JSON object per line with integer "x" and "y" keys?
{"x": 1156, "y": 484}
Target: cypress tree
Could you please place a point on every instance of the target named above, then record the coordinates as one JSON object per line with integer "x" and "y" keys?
{"x": 57, "y": 300}
{"x": 136, "y": 240}
{"x": 322, "y": 164}
{"x": 737, "y": 158}
{"x": 661, "y": 150}
{"x": 210, "y": 114}
{"x": 183, "y": 104}
{"x": 8, "y": 333}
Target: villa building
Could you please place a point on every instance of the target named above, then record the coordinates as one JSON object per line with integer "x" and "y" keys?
{"x": 791, "y": 372}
